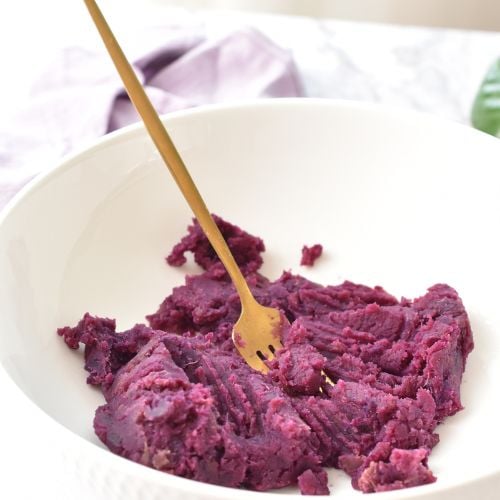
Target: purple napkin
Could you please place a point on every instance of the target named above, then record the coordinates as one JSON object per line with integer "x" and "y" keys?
{"x": 244, "y": 65}
{"x": 81, "y": 98}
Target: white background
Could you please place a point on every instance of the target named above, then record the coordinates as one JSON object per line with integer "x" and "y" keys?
{"x": 31, "y": 30}
{"x": 468, "y": 14}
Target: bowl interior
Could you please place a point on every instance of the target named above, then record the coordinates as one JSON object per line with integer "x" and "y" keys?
{"x": 396, "y": 199}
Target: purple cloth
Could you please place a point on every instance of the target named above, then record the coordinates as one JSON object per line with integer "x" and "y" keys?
{"x": 80, "y": 98}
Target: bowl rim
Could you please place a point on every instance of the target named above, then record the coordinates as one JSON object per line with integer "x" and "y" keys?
{"x": 80, "y": 445}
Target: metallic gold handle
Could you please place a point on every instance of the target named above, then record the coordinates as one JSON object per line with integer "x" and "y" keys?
{"x": 169, "y": 153}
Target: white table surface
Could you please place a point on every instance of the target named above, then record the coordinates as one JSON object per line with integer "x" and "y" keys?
{"x": 432, "y": 70}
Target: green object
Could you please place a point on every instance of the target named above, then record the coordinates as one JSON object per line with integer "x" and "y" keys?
{"x": 486, "y": 109}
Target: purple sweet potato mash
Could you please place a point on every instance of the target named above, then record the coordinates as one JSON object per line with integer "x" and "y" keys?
{"x": 310, "y": 254}
{"x": 180, "y": 399}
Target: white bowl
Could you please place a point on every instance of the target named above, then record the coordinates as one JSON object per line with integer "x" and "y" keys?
{"x": 397, "y": 199}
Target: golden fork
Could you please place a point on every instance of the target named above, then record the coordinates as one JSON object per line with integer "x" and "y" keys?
{"x": 256, "y": 334}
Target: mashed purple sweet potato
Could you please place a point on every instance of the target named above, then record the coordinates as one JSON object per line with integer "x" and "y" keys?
{"x": 310, "y": 255}
{"x": 180, "y": 399}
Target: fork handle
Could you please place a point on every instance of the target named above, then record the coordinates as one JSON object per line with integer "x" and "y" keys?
{"x": 169, "y": 153}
